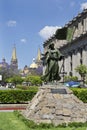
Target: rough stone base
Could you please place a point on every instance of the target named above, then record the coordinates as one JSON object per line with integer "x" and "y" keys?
{"x": 57, "y": 105}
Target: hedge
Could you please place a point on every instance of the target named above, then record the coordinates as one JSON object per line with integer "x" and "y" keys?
{"x": 16, "y": 96}
{"x": 22, "y": 96}
{"x": 81, "y": 93}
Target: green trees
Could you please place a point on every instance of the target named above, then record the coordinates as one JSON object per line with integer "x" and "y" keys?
{"x": 34, "y": 80}
{"x": 82, "y": 70}
{"x": 70, "y": 78}
{"x": 7, "y": 73}
{"x": 15, "y": 79}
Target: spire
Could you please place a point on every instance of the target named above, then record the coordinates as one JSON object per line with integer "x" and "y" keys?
{"x": 38, "y": 59}
{"x": 14, "y": 57}
{"x": 14, "y": 61}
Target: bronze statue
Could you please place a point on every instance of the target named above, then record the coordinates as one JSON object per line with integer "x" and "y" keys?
{"x": 51, "y": 58}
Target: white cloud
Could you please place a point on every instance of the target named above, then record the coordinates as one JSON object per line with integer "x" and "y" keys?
{"x": 48, "y": 31}
{"x": 84, "y": 6}
{"x": 23, "y": 40}
{"x": 11, "y": 23}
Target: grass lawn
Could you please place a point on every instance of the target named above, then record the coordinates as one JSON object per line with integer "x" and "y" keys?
{"x": 8, "y": 121}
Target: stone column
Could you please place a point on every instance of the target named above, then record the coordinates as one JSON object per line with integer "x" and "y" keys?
{"x": 61, "y": 70}
{"x": 71, "y": 63}
{"x": 80, "y": 28}
{"x": 75, "y": 62}
{"x": 69, "y": 60}
{"x": 85, "y": 55}
{"x": 75, "y": 33}
{"x": 78, "y": 63}
{"x": 67, "y": 65}
{"x": 85, "y": 25}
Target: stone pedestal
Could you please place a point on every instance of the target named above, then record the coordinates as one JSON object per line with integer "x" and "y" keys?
{"x": 57, "y": 105}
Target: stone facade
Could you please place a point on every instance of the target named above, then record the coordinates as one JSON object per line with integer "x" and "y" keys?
{"x": 75, "y": 52}
{"x": 57, "y": 105}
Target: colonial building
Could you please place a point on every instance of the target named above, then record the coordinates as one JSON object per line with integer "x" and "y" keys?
{"x": 75, "y": 51}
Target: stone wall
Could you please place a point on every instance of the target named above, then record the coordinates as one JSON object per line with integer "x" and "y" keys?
{"x": 57, "y": 105}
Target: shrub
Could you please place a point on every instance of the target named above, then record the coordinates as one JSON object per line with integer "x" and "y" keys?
{"x": 77, "y": 124}
{"x": 70, "y": 78}
{"x": 34, "y": 80}
{"x": 81, "y": 93}
{"x": 15, "y": 79}
{"x": 82, "y": 70}
{"x": 27, "y": 87}
{"x": 16, "y": 96}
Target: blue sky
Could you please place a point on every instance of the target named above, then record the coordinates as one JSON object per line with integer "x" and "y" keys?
{"x": 28, "y": 23}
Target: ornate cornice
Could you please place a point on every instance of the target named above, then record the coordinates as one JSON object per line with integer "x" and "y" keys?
{"x": 70, "y": 23}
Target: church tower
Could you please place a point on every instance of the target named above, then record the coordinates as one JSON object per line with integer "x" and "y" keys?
{"x": 14, "y": 61}
{"x": 38, "y": 59}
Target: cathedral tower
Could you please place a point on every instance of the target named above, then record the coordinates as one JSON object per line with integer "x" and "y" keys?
{"x": 14, "y": 61}
{"x": 38, "y": 59}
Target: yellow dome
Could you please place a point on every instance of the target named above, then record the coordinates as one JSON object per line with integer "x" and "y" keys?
{"x": 33, "y": 65}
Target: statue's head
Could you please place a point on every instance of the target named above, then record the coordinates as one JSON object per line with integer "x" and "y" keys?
{"x": 51, "y": 45}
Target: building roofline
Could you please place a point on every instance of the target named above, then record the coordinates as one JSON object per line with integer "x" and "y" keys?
{"x": 66, "y": 25}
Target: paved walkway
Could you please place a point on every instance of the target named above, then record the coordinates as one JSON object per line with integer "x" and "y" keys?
{"x": 12, "y": 107}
